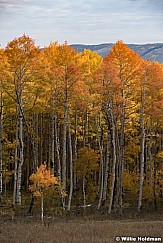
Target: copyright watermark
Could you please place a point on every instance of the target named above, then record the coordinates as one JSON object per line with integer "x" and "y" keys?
{"x": 117, "y": 238}
{"x": 137, "y": 239}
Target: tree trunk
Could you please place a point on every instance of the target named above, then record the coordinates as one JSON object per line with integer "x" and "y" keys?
{"x": 34, "y": 146}
{"x": 150, "y": 155}
{"x": 21, "y": 152}
{"x": 114, "y": 159}
{"x": 31, "y": 204}
{"x": 154, "y": 187}
{"x": 64, "y": 152}
{"x": 83, "y": 130}
{"x": 121, "y": 154}
{"x": 1, "y": 145}
{"x": 59, "y": 161}
{"x": 42, "y": 207}
{"x": 37, "y": 140}
{"x": 101, "y": 182}
{"x": 75, "y": 147}
{"x": 106, "y": 168}
{"x": 53, "y": 144}
{"x": 16, "y": 159}
{"x": 142, "y": 148}
{"x": 87, "y": 128}
{"x": 84, "y": 195}
{"x": 71, "y": 163}
{"x": 41, "y": 138}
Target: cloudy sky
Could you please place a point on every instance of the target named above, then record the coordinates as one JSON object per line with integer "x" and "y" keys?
{"x": 82, "y": 21}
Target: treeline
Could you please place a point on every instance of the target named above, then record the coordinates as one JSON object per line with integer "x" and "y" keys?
{"x": 96, "y": 123}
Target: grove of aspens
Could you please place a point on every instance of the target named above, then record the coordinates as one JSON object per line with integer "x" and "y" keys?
{"x": 78, "y": 131}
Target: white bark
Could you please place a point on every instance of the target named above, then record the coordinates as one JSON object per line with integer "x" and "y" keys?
{"x": 37, "y": 136}
{"x": 59, "y": 161}
{"x": 53, "y": 145}
{"x": 16, "y": 160}
{"x": 75, "y": 148}
{"x": 71, "y": 163}
{"x": 150, "y": 155}
{"x": 64, "y": 152}
{"x": 41, "y": 138}
{"x": 101, "y": 182}
{"x": 84, "y": 195}
{"x": 106, "y": 169}
{"x": 21, "y": 147}
{"x": 1, "y": 147}
{"x": 142, "y": 148}
{"x": 42, "y": 207}
{"x": 83, "y": 130}
{"x": 121, "y": 157}
{"x": 87, "y": 127}
{"x": 114, "y": 161}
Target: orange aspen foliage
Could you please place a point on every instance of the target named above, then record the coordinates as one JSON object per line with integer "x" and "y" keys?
{"x": 41, "y": 180}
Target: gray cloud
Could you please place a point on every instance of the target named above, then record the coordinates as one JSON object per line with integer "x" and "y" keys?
{"x": 84, "y": 21}
{"x": 157, "y": 4}
{"x": 9, "y": 4}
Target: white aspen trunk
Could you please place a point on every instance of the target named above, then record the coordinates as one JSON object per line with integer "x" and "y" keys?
{"x": 53, "y": 144}
{"x": 50, "y": 147}
{"x": 5, "y": 182}
{"x": 34, "y": 146}
{"x": 114, "y": 161}
{"x": 28, "y": 163}
{"x": 34, "y": 157}
{"x": 59, "y": 161}
{"x": 37, "y": 136}
{"x": 106, "y": 169}
{"x": 83, "y": 130}
{"x": 21, "y": 148}
{"x": 71, "y": 164}
{"x": 64, "y": 152}
{"x": 101, "y": 182}
{"x": 154, "y": 185}
{"x": 121, "y": 157}
{"x": 16, "y": 159}
{"x": 87, "y": 127}
{"x": 42, "y": 207}
{"x": 142, "y": 148}
{"x": 75, "y": 147}
{"x": 150, "y": 156}
{"x": 84, "y": 195}
{"x": 1, "y": 145}
{"x": 41, "y": 137}
{"x": 57, "y": 150}
{"x": 99, "y": 178}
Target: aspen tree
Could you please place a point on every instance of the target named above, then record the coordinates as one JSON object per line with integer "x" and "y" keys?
{"x": 71, "y": 163}
{"x": 143, "y": 97}
{"x": 86, "y": 163}
{"x": 3, "y": 66}
{"x": 106, "y": 173}
{"x": 126, "y": 62}
{"x": 21, "y": 52}
{"x": 100, "y": 145}
{"x": 41, "y": 181}
{"x": 4, "y": 76}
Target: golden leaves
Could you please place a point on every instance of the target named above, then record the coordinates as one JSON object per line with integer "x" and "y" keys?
{"x": 42, "y": 179}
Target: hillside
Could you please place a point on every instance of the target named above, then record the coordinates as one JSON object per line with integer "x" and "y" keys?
{"x": 153, "y": 52}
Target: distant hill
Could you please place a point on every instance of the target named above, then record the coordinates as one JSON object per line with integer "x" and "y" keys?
{"x": 153, "y": 52}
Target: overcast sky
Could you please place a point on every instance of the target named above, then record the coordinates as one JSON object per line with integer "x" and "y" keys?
{"x": 82, "y": 21}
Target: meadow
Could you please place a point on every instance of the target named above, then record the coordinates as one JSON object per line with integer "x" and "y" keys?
{"x": 79, "y": 229}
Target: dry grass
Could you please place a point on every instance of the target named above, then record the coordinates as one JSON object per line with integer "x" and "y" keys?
{"x": 76, "y": 231}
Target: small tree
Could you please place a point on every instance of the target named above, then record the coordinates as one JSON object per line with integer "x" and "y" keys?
{"x": 42, "y": 180}
{"x": 86, "y": 164}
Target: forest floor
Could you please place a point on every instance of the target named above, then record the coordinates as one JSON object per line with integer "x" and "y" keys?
{"x": 80, "y": 229}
